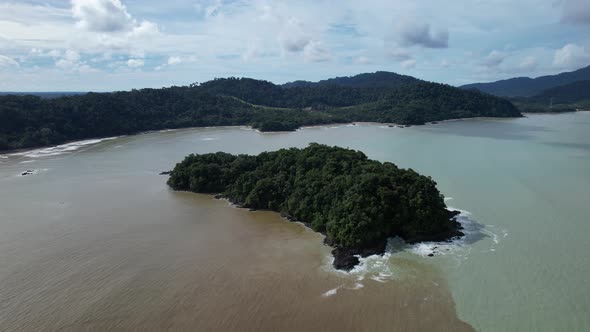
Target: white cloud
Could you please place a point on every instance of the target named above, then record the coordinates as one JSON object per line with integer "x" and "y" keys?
{"x": 69, "y": 61}
{"x": 444, "y": 63}
{"x": 363, "y": 60}
{"x": 106, "y": 25}
{"x": 494, "y": 59}
{"x": 408, "y": 64}
{"x": 315, "y": 51}
{"x": 174, "y": 60}
{"x": 145, "y": 30}
{"x": 7, "y": 62}
{"x": 135, "y": 63}
{"x": 529, "y": 63}
{"x": 571, "y": 56}
{"x": 102, "y": 15}
{"x": 293, "y": 38}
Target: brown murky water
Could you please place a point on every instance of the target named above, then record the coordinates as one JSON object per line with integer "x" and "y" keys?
{"x": 96, "y": 241}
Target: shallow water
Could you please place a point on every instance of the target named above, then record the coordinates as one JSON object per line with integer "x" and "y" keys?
{"x": 96, "y": 240}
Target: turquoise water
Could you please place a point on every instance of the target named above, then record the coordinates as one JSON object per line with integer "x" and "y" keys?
{"x": 525, "y": 183}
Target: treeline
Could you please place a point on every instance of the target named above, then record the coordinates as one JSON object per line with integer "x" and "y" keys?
{"x": 356, "y": 202}
{"x": 426, "y": 102}
{"x": 30, "y": 121}
{"x": 319, "y": 97}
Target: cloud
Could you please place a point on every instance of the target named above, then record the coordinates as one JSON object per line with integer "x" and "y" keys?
{"x": 135, "y": 63}
{"x": 105, "y": 25}
{"x": 69, "y": 61}
{"x": 444, "y": 63}
{"x": 363, "y": 60}
{"x": 409, "y": 33}
{"x": 408, "y": 64}
{"x": 7, "y": 62}
{"x": 571, "y": 56}
{"x": 400, "y": 55}
{"x": 494, "y": 59}
{"x": 174, "y": 60}
{"x": 528, "y": 64}
{"x": 102, "y": 15}
{"x": 315, "y": 51}
{"x": 576, "y": 11}
{"x": 293, "y": 38}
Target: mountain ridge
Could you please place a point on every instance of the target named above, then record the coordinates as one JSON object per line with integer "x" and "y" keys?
{"x": 528, "y": 87}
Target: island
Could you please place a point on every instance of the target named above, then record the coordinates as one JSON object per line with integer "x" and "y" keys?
{"x": 357, "y": 203}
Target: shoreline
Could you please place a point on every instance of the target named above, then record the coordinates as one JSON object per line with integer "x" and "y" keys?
{"x": 347, "y": 258}
{"x": 246, "y": 127}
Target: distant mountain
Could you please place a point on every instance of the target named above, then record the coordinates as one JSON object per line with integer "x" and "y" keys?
{"x": 47, "y": 95}
{"x": 527, "y": 87}
{"x": 564, "y": 94}
{"x": 380, "y": 79}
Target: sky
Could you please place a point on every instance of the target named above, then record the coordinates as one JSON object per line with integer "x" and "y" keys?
{"x": 106, "y": 45}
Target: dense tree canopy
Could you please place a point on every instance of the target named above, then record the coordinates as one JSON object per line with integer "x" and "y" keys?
{"x": 355, "y": 201}
{"x": 29, "y": 121}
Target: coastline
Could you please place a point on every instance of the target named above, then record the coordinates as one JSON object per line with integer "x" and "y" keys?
{"x": 246, "y": 127}
{"x": 347, "y": 258}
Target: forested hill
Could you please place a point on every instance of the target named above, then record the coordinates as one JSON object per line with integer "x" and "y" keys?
{"x": 528, "y": 87}
{"x": 380, "y": 79}
{"x": 569, "y": 93}
{"x": 30, "y": 121}
{"x": 564, "y": 98}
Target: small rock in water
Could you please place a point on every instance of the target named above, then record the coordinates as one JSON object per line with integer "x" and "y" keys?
{"x": 431, "y": 255}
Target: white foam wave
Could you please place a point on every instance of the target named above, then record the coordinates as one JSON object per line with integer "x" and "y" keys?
{"x": 61, "y": 149}
{"x": 379, "y": 268}
{"x": 209, "y": 139}
{"x": 331, "y": 292}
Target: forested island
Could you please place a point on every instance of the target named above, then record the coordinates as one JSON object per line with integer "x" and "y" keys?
{"x": 357, "y": 203}
{"x": 31, "y": 121}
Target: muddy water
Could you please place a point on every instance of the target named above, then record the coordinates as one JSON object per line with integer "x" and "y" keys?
{"x": 94, "y": 240}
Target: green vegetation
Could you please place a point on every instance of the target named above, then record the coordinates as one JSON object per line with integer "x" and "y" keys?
{"x": 564, "y": 98}
{"x": 356, "y": 202}
{"x": 30, "y": 121}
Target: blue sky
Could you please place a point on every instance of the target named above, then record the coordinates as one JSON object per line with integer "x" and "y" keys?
{"x": 105, "y": 45}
